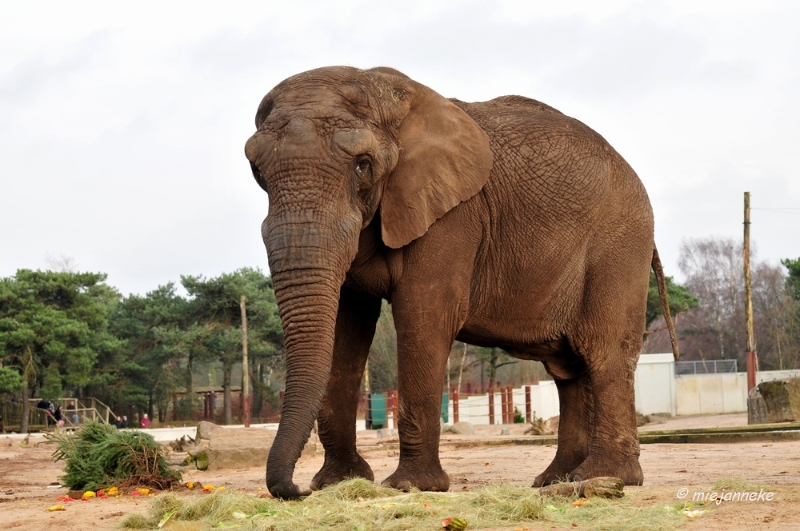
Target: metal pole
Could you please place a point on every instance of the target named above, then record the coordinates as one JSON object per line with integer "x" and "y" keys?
{"x": 752, "y": 359}
{"x": 245, "y": 367}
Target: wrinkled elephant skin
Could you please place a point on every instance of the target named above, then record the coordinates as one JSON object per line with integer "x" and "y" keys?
{"x": 503, "y": 223}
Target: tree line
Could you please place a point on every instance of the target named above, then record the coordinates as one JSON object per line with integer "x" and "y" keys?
{"x": 715, "y": 327}
{"x": 65, "y": 333}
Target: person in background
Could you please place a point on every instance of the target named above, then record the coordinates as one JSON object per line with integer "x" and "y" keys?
{"x": 124, "y": 421}
{"x": 118, "y": 422}
{"x": 145, "y": 422}
{"x": 71, "y": 411}
{"x": 49, "y": 410}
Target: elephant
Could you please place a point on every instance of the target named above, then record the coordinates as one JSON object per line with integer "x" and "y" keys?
{"x": 503, "y": 223}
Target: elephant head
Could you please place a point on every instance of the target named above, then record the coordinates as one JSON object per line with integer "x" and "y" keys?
{"x": 334, "y": 148}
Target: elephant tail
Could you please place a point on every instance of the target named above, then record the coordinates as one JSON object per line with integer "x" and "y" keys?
{"x": 662, "y": 294}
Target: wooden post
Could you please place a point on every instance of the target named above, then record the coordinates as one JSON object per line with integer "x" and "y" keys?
{"x": 509, "y": 407}
{"x": 491, "y": 405}
{"x": 528, "y": 403}
{"x": 455, "y": 404}
{"x": 504, "y": 402}
{"x": 510, "y": 391}
{"x": 245, "y": 367}
{"x": 448, "y": 372}
{"x": 751, "y": 370}
{"x": 752, "y": 358}
{"x": 502, "y": 405}
{"x": 461, "y": 367}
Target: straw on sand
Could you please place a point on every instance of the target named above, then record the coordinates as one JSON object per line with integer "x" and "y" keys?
{"x": 359, "y": 504}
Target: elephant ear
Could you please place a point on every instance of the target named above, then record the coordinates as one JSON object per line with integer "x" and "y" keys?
{"x": 444, "y": 160}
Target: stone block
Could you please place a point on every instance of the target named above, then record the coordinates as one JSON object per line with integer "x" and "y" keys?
{"x": 774, "y": 402}
{"x": 225, "y": 448}
{"x": 218, "y": 448}
{"x": 461, "y": 428}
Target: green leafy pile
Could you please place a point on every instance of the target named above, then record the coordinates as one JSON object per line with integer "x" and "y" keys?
{"x": 100, "y": 456}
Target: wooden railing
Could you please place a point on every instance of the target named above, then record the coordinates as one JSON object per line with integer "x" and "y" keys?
{"x": 39, "y": 419}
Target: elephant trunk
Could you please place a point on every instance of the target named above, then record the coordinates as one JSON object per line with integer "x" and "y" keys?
{"x": 308, "y": 270}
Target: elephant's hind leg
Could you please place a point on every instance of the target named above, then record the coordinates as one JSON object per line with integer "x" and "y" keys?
{"x": 614, "y": 449}
{"x": 355, "y": 327}
{"x": 576, "y": 411}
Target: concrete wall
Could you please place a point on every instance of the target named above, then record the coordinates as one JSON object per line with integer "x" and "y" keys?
{"x": 711, "y": 394}
{"x": 769, "y": 376}
{"x": 654, "y": 384}
{"x": 658, "y": 390}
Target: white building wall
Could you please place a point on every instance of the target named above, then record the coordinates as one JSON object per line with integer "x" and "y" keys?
{"x": 654, "y": 384}
{"x": 770, "y": 376}
{"x": 712, "y": 394}
{"x": 656, "y": 387}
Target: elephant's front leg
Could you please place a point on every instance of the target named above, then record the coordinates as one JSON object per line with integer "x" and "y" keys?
{"x": 355, "y": 328}
{"x": 423, "y": 344}
{"x": 576, "y": 404}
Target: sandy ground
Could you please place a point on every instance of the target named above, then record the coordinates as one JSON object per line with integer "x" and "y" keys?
{"x": 29, "y": 477}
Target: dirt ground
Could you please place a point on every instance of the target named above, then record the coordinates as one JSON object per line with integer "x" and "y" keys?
{"x": 29, "y": 477}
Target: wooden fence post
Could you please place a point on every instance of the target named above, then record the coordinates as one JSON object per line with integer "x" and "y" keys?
{"x": 528, "y": 403}
{"x": 504, "y": 400}
{"x": 455, "y": 404}
{"x": 509, "y": 406}
{"x": 491, "y": 405}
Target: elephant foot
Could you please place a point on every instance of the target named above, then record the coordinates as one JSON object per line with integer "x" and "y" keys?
{"x": 558, "y": 471}
{"x": 425, "y": 478}
{"x": 336, "y": 470}
{"x": 626, "y": 468}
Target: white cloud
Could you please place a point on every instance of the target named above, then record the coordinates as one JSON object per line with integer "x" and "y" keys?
{"x": 123, "y": 127}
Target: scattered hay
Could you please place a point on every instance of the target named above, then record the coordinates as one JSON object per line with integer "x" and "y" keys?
{"x": 361, "y": 505}
{"x": 138, "y": 521}
{"x": 100, "y": 455}
{"x": 731, "y": 484}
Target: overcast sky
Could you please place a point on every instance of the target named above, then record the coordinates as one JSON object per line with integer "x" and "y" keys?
{"x": 122, "y": 129}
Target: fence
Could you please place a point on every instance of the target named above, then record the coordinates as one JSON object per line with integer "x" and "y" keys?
{"x": 688, "y": 388}
{"x": 705, "y": 367}
{"x": 503, "y": 405}
{"x": 74, "y": 411}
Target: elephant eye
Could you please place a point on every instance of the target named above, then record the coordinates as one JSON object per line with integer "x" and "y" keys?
{"x": 259, "y": 178}
{"x": 362, "y": 166}
{"x": 256, "y": 171}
